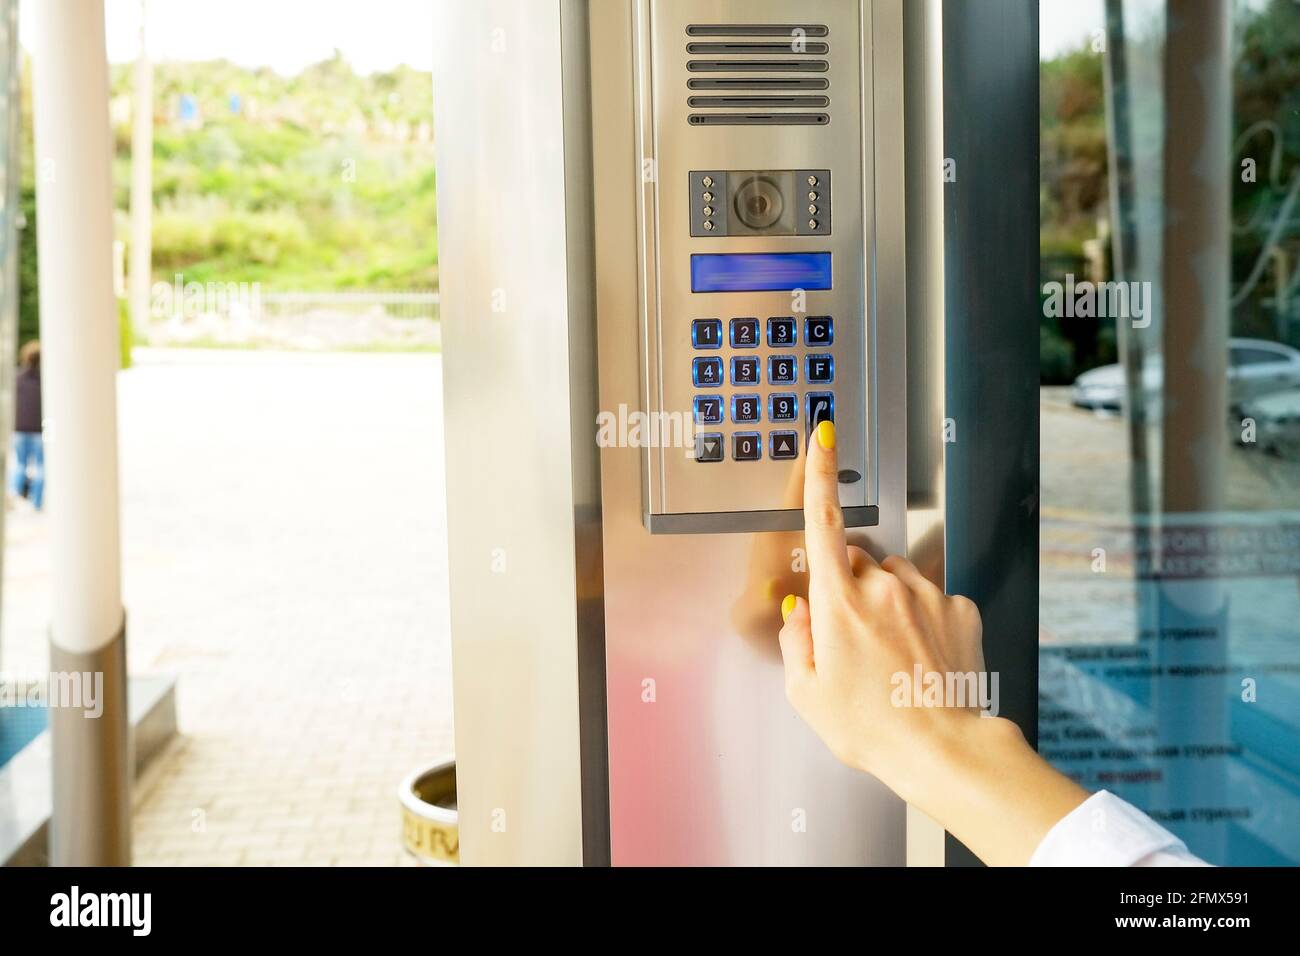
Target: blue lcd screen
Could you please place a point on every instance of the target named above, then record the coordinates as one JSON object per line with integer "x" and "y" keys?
{"x": 760, "y": 271}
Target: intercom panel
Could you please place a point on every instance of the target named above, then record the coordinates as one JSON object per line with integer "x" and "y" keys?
{"x": 756, "y": 226}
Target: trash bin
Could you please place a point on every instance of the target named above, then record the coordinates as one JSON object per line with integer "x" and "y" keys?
{"x": 430, "y": 829}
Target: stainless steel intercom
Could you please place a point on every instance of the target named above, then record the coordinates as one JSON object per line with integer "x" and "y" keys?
{"x": 755, "y": 230}
{"x": 681, "y": 208}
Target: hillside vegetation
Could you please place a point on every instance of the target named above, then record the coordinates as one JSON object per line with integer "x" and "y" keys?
{"x": 319, "y": 181}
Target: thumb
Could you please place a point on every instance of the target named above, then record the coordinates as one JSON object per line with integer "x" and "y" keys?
{"x": 796, "y": 640}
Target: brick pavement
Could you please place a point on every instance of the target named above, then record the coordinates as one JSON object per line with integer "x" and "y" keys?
{"x": 284, "y": 555}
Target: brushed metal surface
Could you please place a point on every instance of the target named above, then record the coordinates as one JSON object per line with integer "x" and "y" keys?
{"x": 926, "y": 499}
{"x": 708, "y": 763}
{"x": 670, "y": 148}
{"x": 514, "y": 216}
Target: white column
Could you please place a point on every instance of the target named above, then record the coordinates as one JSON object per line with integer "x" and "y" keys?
{"x": 74, "y": 204}
{"x": 141, "y": 180}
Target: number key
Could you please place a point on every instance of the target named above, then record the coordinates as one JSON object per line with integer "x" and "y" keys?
{"x": 782, "y": 369}
{"x": 706, "y": 333}
{"x": 783, "y": 407}
{"x": 781, "y": 332}
{"x": 706, "y": 372}
{"x": 744, "y": 333}
{"x": 744, "y": 371}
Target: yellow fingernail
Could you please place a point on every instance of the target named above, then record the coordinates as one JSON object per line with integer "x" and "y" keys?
{"x": 787, "y": 607}
{"x": 826, "y": 435}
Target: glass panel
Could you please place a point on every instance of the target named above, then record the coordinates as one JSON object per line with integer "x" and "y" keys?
{"x": 1170, "y": 606}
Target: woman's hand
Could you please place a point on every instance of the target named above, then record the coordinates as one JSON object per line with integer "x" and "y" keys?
{"x": 854, "y": 652}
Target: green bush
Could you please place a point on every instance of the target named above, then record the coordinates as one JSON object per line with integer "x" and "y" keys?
{"x": 1055, "y": 357}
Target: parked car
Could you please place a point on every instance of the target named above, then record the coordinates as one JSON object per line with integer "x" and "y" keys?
{"x": 1277, "y": 422}
{"x": 1256, "y": 367}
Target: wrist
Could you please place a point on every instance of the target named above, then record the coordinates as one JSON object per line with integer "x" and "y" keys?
{"x": 984, "y": 784}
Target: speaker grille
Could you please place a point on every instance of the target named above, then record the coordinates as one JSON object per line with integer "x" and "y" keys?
{"x": 759, "y": 72}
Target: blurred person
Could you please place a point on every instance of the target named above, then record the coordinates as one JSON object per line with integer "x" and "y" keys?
{"x": 29, "y": 447}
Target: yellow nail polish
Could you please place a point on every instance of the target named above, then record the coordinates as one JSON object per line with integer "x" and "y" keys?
{"x": 826, "y": 435}
{"x": 787, "y": 607}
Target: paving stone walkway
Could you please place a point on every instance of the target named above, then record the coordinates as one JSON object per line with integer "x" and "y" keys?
{"x": 283, "y": 524}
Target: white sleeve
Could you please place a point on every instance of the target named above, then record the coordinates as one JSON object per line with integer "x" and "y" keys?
{"x": 1106, "y": 831}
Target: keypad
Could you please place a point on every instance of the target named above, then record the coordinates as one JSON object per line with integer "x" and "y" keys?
{"x": 798, "y": 353}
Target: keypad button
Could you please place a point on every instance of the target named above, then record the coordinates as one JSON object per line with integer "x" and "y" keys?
{"x": 744, "y": 333}
{"x": 819, "y": 370}
{"x": 783, "y": 445}
{"x": 708, "y": 446}
{"x": 706, "y": 372}
{"x": 746, "y": 446}
{"x": 820, "y": 408}
{"x": 818, "y": 330}
{"x": 708, "y": 409}
{"x": 782, "y": 407}
{"x": 781, "y": 332}
{"x": 744, "y": 371}
{"x": 782, "y": 369}
{"x": 706, "y": 333}
{"x": 746, "y": 408}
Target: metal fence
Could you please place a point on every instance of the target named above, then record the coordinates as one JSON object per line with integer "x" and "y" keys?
{"x": 415, "y": 304}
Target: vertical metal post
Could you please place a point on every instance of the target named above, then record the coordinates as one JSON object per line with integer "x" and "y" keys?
{"x": 1197, "y": 155}
{"x": 990, "y": 120}
{"x": 1124, "y": 247}
{"x": 1195, "y": 279}
{"x": 91, "y": 819}
{"x": 10, "y": 174}
{"x": 923, "y": 180}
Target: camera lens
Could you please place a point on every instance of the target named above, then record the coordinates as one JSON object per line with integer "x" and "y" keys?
{"x": 759, "y": 203}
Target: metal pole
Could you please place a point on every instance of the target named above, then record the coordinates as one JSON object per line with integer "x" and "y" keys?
{"x": 1195, "y": 283}
{"x": 140, "y": 271}
{"x": 74, "y": 201}
{"x": 10, "y": 164}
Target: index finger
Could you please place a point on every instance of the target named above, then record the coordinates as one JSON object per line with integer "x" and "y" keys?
{"x": 823, "y": 518}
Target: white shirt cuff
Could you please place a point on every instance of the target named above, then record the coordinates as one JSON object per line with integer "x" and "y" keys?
{"x": 1106, "y": 831}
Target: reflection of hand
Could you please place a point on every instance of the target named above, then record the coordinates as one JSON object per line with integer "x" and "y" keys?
{"x": 862, "y": 626}
{"x": 772, "y": 572}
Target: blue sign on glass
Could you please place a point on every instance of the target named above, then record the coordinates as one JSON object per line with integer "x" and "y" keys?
{"x": 760, "y": 271}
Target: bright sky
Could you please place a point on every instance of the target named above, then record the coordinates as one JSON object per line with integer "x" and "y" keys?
{"x": 1065, "y": 24}
{"x": 284, "y": 34}
{"x": 373, "y": 34}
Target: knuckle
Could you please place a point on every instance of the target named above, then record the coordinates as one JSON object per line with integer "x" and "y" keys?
{"x": 963, "y": 606}
{"x": 893, "y": 563}
{"x": 889, "y": 590}
{"x": 825, "y": 515}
